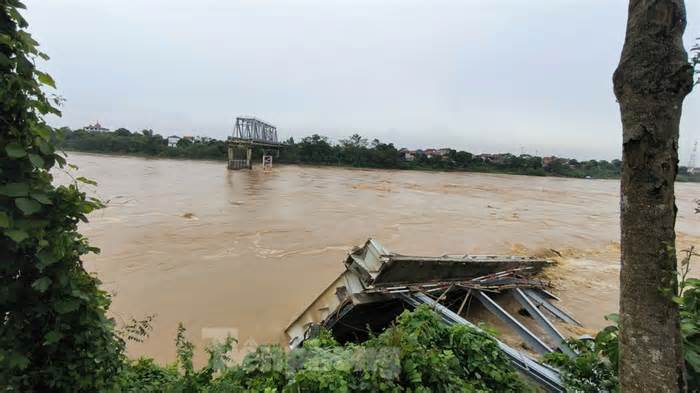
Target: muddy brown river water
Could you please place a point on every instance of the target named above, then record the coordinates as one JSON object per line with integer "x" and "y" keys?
{"x": 192, "y": 242}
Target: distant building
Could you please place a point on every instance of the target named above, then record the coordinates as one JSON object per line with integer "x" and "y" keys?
{"x": 97, "y": 127}
{"x": 172, "y": 140}
{"x": 408, "y": 155}
{"x": 546, "y": 161}
{"x": 433, "y": 153}
{"x": 494, "y": 158}
{"x": 202, "y": 139}
{"x": 552, "y": 160}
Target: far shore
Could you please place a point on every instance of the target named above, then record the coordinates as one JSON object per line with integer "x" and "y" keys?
{"x": 680, "y": 178}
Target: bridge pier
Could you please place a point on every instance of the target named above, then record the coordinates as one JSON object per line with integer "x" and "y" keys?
{"x": 267, "y": 162}
{"x": 240, "y": 163}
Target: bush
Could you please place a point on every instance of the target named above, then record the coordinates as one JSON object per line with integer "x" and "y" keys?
{"x": 418, "y": 354}
{"x": 591, "y": 371}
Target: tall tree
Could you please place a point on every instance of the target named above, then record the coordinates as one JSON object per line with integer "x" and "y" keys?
{"x": 651, "y": 81}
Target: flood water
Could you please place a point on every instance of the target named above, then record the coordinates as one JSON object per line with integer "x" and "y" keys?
{"x": 192, "y": 242}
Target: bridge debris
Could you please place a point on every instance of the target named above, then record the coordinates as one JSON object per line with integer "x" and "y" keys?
{"x": 378, "y": 285}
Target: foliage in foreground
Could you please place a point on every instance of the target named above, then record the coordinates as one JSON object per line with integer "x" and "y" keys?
{"x": 595, "y": 367}
{"x": 418, "y": 354}
{"x": 54, "y": 336}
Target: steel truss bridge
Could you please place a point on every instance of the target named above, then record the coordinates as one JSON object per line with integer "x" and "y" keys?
{"x": 247, "y": 133}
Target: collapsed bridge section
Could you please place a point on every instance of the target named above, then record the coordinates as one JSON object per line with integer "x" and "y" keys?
{"x": 378, "y": 285}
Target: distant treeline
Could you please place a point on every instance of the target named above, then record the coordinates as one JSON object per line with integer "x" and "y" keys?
{"x": 143, "y": 143}
{"x": 354, "y": 151}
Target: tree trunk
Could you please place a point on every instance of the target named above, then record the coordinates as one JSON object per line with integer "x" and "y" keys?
{"x": 650, "y": 82}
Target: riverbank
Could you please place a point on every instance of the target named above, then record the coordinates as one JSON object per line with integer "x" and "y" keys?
{"x": 682, "y": 178}
{"x": 353, "y": 152}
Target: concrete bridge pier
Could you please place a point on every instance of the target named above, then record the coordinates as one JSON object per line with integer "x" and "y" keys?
{"x": 240, "y": 163}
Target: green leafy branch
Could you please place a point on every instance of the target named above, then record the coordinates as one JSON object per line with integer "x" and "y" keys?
{"x": 54, "y": 335}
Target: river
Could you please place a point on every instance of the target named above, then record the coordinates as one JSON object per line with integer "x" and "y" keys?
{"x": 192, "y": 242}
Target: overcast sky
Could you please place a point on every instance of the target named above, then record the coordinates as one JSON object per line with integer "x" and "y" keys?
{"x": 484, "y": 76}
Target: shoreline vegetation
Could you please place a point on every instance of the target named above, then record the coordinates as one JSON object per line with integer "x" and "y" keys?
{"x": 354, "y": 151}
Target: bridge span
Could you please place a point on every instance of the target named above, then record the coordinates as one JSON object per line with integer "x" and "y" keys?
{"x": 250, "y": 132}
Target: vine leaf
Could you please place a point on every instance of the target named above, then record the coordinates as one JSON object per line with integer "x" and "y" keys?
{"x": 42, "y": 132}
{"x": 41, "y": 198}
{"x": 4, "y": 220}
{"x": 46, "y": 258}
{"x": 44, "y": 147}
{"x": 15, "y": 150}
{"x": 85, "y": 180}
{"x": 27, "y": 206}
{"x": 42, "y": 284}
{"x": 16, "y": 359}
{"x": 60, "y": 160}
{"x": 36, "y": 160}
{"x": 45, "y": 79}
{"x": 14, "y": 189}
{"x": 17, "y": 235}
{"x": 4, "y": 60}
{"x": 66, "y": 306}
{"x": 52, "y": 337}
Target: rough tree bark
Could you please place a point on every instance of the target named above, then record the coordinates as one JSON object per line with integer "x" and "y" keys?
{"x": 651, "y": 81}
